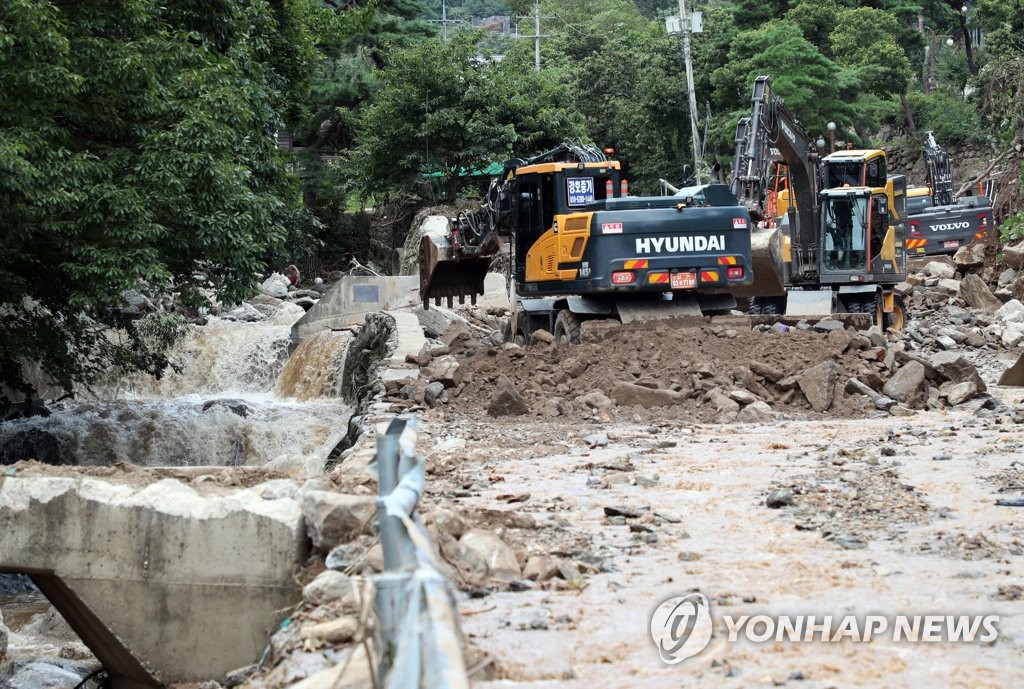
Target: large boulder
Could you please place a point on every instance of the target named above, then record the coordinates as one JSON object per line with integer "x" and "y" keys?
{"x": 336, "y": 518}
{"x": 629, "y": 393}
{"x": 1013, "y": 255}
{"x": 970, "y": 255}
{"x": 955, "y": 368}
{"x": 506, "y": 400}
{"x": 483, "y": 556}
{"x": 819, "y": 385}
{"x": 977, "y": 294}
{"x": 937, "y": 269}
{"x": 276, "y": 285}
{"x": 908, "y": 385}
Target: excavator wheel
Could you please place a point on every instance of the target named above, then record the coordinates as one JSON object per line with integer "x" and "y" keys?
{"x": 767, "y": 305}
{"x": 567, "y": 328}
{"x": 895, "y": 320}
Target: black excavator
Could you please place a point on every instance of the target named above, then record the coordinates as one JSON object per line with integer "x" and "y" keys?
{"x": 940, "y": 223}
{"x": 839, "y": 249}
{"x": 580, "y": 247}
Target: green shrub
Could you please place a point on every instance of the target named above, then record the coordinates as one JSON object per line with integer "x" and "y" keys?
{"x": 954, "y": 120}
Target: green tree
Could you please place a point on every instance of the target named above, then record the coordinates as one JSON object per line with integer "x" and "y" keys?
{"x": 136, "y": 143}
{"x": 811, "y": 84}
{"x": 442, "y": 108}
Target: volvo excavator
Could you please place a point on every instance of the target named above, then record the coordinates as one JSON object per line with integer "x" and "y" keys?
{"x": 581, "y": 248}
{"x": 939, "y": 222}
{"x": 839, "y": 249}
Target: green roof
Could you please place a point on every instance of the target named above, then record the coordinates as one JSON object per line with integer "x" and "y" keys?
{"x": 492, "y": 170}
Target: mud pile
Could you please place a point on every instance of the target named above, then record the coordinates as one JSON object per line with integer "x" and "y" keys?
{"x": 720, "y": 371}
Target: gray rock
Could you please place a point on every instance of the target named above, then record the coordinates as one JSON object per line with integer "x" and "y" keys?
{"x": 595, "y": 399}
{"x": 1013, "y": 255}
{"x": 484, "y": 556}
{"x": 743, "y": 396}
{"x": 958, "y": 393}
{"x": 246, "y": 313}
{"x": 956, "y": 368}
{"x": 779, "y": 498}
{"x": 959, "y": 314}
{"x": 1012, "y": 335}
{"x": 977, "y": 294}
{"x": 875, "y": 334}
{"x": 908, "y": 385}
{"x": 42, "y": 675}
{"x": 949, "y": 286}
{"x": 276, "y": 285}
{"x": 506, "y": 400}
{"x": 336, "y": 518}
{"x": 946, "y": 342}
{"x": 596, "y": 440}
{"x": 538, "y": 337}
{"x": 827, "y": 325}
{"x": 628, "y": 393}
{"x": 539, "y": 568}
{"x": 434, "y": 394}
{"x": 819, "y": 385}
{"x": 1012, "y": 310}
{"x": 444, "y": 370}
{"x": 1006, "y": 278}
{"x": 3, "y": 636}
{"x": 756, "y": 412}
{"x": 970, "y": 255}
{"x": 722, "y": 402}
{"x": 939, "y": 270}
{"x": 857, "y": 387}
{"x": 329, "y": 585}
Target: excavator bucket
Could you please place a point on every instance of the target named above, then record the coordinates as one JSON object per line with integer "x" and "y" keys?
{"x": 766, "y": 263}
{"x": 447, "y": 273}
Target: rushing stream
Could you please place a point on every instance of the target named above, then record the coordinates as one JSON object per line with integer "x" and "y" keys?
{"x": 237, "y": 398}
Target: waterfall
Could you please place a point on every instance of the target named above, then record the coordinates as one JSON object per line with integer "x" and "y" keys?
{"x": 236, "y": 398}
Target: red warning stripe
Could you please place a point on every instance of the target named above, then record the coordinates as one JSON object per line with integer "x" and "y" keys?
{"x": 916, "y": 243}
{"x": 709, "y": 276}
{"x": 726, "y": 260}
{"x": 657, "y": 279}
{"x": 635, "y": 264}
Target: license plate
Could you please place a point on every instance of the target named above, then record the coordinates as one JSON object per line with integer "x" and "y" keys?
{"x": 951, "y": 244}
{"x": 684, "y": 280}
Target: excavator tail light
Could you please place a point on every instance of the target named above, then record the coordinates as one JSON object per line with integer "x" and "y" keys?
{"x": 735, "y": 272}
{"x": 623, "y": 277}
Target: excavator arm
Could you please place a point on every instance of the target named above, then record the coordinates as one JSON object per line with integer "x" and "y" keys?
{"x": 771, "y": 125}
{"x": 938, "y": 171}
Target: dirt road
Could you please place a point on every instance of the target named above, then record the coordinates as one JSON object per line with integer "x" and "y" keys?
{"x": 888, "y": 516}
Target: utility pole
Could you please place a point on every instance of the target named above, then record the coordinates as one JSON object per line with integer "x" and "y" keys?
{"x": 690, "y": 90}
{"x": 444, "y": 20}
{"x": 536, "y": 35}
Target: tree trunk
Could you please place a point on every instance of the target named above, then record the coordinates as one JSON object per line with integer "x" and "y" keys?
{"x": 967, "y": 45}
{"x": 910, "y": 115}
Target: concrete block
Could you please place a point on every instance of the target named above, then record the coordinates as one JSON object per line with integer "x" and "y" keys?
{"x": 349, "y": 300}
{"x": 163, "y": 583}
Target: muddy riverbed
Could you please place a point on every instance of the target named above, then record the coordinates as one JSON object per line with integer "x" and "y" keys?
{"x": 886, "y": 517}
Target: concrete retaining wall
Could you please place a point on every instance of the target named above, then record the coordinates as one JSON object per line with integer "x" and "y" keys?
{"x": 163, "y": 583}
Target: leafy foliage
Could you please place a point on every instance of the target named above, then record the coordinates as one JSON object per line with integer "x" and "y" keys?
{"x": 442, "y": 109}
{"x": 136, "y": 143}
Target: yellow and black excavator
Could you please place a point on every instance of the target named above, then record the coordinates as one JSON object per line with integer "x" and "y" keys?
{"x": 582, "y": 248}
{"x": 840, "y": 247}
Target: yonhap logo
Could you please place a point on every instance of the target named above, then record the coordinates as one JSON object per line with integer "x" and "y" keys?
{"x": 681, "y": 627}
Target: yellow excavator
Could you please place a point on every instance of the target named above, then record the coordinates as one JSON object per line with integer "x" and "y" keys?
{"x": 839, "y": 249}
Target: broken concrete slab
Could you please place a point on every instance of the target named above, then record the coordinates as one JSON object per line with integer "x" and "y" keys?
{"x": 349, "y": 300}
{"x": 164, "y": 584}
